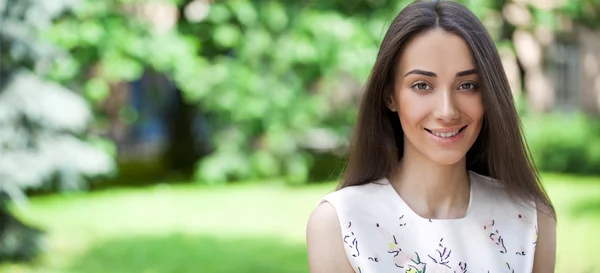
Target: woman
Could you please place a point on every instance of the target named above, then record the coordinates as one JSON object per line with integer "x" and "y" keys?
{"x": 438, "y": 177}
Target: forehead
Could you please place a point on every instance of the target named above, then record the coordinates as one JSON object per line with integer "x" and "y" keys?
{"x": 437, "y": 51}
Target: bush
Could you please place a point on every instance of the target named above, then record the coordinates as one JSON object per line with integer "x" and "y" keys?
{"x": 568, "y": 143}
{"x": 18, "y": 240}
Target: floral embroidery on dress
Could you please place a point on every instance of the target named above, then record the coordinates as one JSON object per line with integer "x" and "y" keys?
{"x": 492, "y": 223}
{"x": 395, "y": 240}
{"x": 402, "y": 222}
{"x": 395, "y": 249}
{"x": 510, "y": 269}
{"x": 404, "y": 259}
{"x": 525, "y": 219}
{"x": 352, "y": 242}
{"x": 443, "y": 255}
{"x": 462, "y": 268}
{"x": 496, "y": 237}
{"x": 442, "y": 259}
{"x": 416, "y": 266}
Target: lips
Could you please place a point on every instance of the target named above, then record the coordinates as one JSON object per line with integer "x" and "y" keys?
{"x": 444, "y": 133}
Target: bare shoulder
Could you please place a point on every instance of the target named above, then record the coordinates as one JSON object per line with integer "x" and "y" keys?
{"x": 545, "y": 253}
{"x": 324, "y": 241}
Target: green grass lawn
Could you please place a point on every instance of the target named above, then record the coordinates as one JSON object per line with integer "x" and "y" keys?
{"x": 240, "y": 228}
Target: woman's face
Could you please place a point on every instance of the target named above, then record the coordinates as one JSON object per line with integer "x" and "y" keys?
{"x": 437, "y": 97}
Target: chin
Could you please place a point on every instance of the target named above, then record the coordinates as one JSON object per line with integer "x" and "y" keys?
{"x": 447, "y": 158}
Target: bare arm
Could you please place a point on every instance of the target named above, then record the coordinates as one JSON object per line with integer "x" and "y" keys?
{"x": 324, "y": 241}
{"x": 545, "y": 253}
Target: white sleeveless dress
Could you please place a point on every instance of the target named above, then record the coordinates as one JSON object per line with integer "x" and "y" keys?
{"x": 382, "y": 234}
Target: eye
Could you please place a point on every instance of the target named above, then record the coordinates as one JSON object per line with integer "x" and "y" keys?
{"x": 469, "y": 86}
{"x": 421, "y": 86}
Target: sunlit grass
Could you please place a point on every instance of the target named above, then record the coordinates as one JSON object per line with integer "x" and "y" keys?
{"x": 577, "y": 202}
{"x": 240, "y": 228}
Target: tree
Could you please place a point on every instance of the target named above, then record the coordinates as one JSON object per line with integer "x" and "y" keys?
{"x": 278, "y": 79}
{"x": 43, "y": 137}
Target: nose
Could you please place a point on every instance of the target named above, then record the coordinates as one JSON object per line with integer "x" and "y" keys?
{"x": 446, "y": 109}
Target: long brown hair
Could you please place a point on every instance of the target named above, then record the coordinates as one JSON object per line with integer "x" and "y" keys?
{"x": 500, "y": 150}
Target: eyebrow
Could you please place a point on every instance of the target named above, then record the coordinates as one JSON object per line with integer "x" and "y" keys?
{"x": 431, "y": 74}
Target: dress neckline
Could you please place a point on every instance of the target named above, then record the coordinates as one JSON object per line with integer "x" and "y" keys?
{"x": 402, "y": 203}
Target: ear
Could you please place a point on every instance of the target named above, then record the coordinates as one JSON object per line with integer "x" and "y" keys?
{"x": 390, "y": 103}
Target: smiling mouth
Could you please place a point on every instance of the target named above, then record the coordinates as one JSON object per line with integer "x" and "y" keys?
{"x": 446, "y": 134}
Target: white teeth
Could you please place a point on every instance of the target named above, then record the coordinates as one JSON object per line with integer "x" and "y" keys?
{"x": 445, "y": 135}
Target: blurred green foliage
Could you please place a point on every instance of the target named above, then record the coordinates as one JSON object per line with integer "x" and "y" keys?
{"x": 278, "y": 79}
{"x": 44, "y": 125}
{"x": 564, "y": 143}
{"x": 586, "y": 12}
{"x": 44, "y": 137}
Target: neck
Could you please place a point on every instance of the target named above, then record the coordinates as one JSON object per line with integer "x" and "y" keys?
{"x": 430, "y": 189}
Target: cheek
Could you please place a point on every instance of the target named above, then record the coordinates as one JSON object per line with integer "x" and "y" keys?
{"x": 470, "y": 105}
{"x": 412, "y": 109}
{"x": 473, "y": 108}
